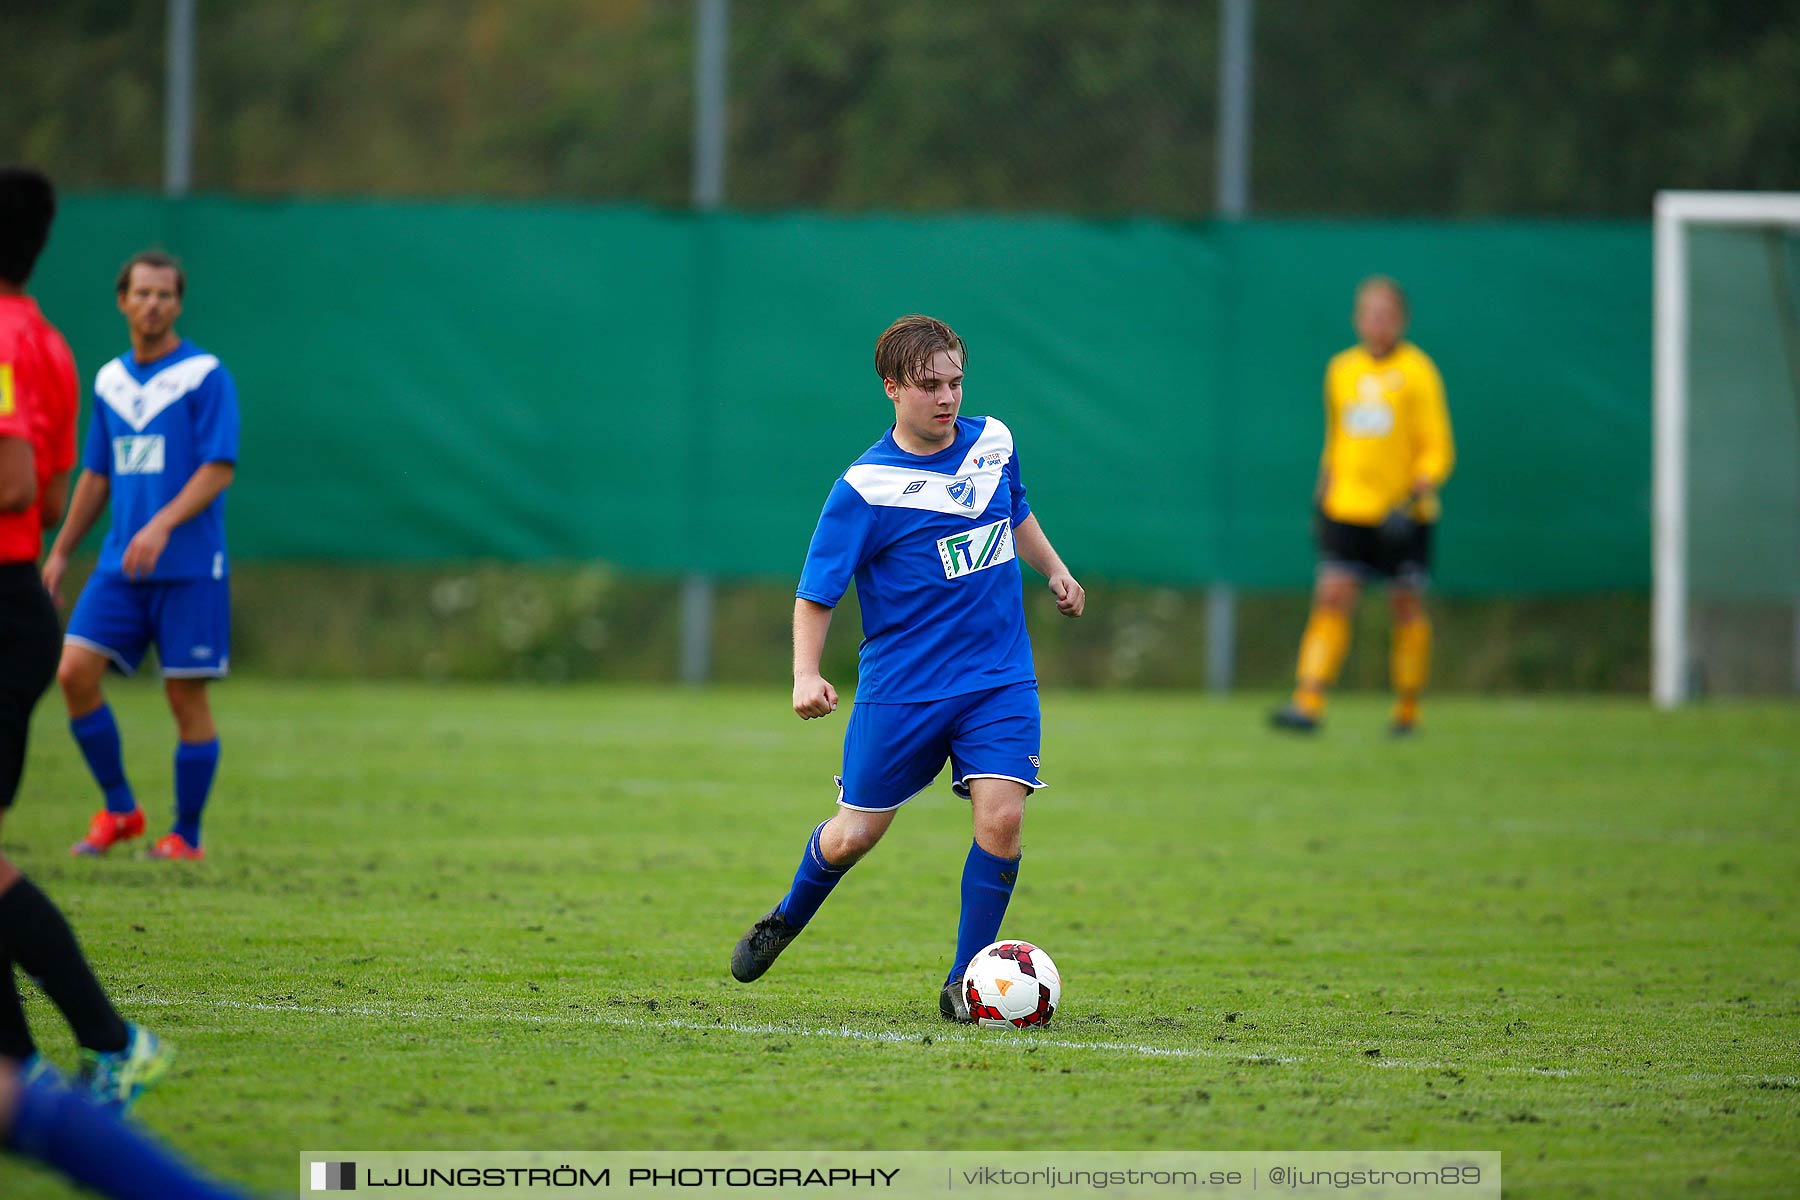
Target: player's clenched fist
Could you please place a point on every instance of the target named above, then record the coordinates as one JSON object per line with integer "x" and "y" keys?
{"x": 1071, "y": 598}
{"x": 814, "y": 697}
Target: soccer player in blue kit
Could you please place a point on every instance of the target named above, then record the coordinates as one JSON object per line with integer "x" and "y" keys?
{"x": 162, "y": 447}
{"x": 930, "y": 523}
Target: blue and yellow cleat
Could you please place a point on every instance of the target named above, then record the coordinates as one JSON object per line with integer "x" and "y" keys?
{"x": 119, "y": 1078}
{"x": 35, "y": 1068}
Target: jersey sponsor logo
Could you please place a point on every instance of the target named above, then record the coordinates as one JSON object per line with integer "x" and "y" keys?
{"x": 138, "y": 455}
{"x": 912, "y": 487}
{"x": 1371, "y": 414}
{"x": 962, "y": 491}
{"x": 7, "y": 403}
{"x": 977, "y": 550}
{"x": 991, "y": 459}
{"x": 1369, "y": 419}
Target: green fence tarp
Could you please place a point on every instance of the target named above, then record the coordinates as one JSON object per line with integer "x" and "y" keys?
{"x": 670, "y": 392}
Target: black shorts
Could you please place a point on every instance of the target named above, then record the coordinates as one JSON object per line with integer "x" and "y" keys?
{"x": 30, "y": 644}
{"x": 1367, "y": 551}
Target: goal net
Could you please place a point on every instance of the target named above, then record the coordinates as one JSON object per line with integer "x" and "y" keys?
{"x": 1726, "y": 530}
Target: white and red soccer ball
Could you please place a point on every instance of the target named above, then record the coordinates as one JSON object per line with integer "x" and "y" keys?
{"x": 1012, "y": 985}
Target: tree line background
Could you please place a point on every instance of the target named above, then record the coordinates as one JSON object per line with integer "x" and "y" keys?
{"x": 1102, "y": 107}
{"x": 1372, "y": 108}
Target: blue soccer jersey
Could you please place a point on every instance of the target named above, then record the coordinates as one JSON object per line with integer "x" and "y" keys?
{"x": 154, "y": 425}
{"x": 929, "y": 541}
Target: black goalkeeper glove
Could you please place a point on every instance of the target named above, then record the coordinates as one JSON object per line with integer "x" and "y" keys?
{"x": 1398, "y": 527}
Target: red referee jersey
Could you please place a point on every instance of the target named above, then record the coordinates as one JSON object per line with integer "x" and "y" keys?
{"x": 38, "y": 401}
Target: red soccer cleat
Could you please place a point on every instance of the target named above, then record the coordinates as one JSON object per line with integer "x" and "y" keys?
{"x": 107, "y": 829}
{"x": 172, "y": 846}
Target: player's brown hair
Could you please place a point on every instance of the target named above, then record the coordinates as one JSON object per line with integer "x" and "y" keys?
{"x": 1388, "y": 284}
{"x": 151, "y": 258}
{"x": 906, "y": 347}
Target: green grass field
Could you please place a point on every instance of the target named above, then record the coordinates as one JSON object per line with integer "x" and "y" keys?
{"x": 490, "y": 918}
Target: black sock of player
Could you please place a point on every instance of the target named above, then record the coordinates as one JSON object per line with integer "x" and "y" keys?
{"x": 38, "y": 938}
{"x": 15, "y": 1034}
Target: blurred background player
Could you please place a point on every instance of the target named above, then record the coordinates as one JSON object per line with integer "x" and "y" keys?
{"x": 162, "y": 447}
{"x": 90, "y": 1143}
{"x": 37, "y": 451}
{"x": 1387, "y": 452}
{"x": 926, "y": 522}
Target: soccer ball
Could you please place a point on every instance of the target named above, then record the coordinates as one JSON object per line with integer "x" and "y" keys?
{"x": 1012, "y": 985}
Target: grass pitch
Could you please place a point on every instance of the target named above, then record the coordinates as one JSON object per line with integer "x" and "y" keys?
{"x": 500, "y": 918}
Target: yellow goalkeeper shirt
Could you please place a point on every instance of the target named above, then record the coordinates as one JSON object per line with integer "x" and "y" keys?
{"x": 1386, "y": 427}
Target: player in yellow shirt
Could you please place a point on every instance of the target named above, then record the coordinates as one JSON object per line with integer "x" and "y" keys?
{"x": 1387, "y": 452}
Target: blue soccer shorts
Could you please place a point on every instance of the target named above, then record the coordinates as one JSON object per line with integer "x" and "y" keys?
{"x": 892, "y": 752}
{"x": 188, "y": 620}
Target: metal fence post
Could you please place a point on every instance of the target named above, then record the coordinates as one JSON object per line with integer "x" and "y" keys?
{"x": 178, "y": 101}
{"x": 1232, "y": 199}
{"x": 712, "y": 28}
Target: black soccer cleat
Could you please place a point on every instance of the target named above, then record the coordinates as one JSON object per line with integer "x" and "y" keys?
{"x": 953, "y": 1003}
{"x": 758, "y": 949}
{"x": 1290, "y": 718}
{"x": 1401, "y": 730}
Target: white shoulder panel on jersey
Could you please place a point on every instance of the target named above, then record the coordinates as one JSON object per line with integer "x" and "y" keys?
{"x": 963, "y": 494}
{"x": 139, "y": 404}
{"x": 992, "y": 449}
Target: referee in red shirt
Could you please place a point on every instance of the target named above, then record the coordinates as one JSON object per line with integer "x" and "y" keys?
{"x": 37, "y": 451}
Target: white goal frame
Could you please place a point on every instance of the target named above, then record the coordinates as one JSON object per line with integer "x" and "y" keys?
{"x": 1676, "y": 212}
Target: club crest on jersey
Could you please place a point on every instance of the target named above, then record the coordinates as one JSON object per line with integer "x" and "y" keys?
{"x": 977, "y": 550}
{"x": 962, "y": 491}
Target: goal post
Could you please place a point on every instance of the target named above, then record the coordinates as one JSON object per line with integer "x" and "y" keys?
{"x": 1742, "y": 547}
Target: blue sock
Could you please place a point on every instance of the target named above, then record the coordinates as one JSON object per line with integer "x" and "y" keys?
{"x": 98, "y": 736}
{"x": 987, "y": 886}
{"x": 97, "y": 1148}
{"x": 812, "y": 883}
{"x": 195, "y": 763}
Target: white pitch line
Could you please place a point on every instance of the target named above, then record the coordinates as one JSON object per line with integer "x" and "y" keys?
{"x": 845, "y": 1032}
{"x": 994, "y": 1040}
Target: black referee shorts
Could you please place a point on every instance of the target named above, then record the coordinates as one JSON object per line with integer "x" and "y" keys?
{"x": 30, "y": 644}
{"x": 1367, "y": 552}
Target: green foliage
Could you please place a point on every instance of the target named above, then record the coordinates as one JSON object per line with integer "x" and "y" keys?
{"x": 551, "y": 624}
{"x": 493, "y": 622}
{"x": 1384, "y": 106}
{"x": 499, "y": 918}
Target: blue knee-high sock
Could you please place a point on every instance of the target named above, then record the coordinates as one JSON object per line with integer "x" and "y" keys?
{"x": 987, "y": 886}
{"x": 195, "y": 763}
{"x": 812, "y": 883}
{"x": 98, "y": 736}
{"x": 98, "y": 1148}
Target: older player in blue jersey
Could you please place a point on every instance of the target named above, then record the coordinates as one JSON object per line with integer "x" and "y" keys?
{"x": 930, "y": 523}
{"x": 162, "y": 448}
